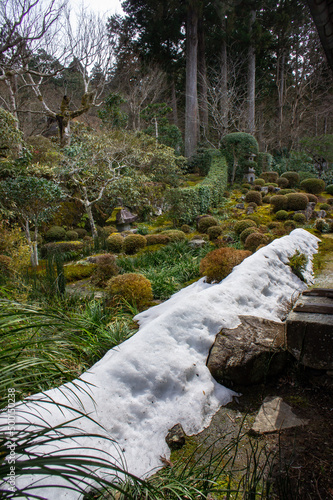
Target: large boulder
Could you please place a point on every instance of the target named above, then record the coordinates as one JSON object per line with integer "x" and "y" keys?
{"x": 249, "y": 353}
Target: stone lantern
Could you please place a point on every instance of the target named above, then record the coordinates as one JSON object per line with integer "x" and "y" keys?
{"x": 249, "y": 173}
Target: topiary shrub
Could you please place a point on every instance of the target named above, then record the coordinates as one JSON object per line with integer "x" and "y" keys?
{"x": 216, "y": 265}
{"x": 205, "y": 222}
{"x": 312, "y": 198}
{"x": 266, "y": 199}
{"x": 106, "y": 267}
{"x": 133, "y": 288}
{"x": 286, "y": 191}
{"x": 133, "y": 243}
{"x": 157, "y": 239}
{"x": 81, "y": 232}
{"x": 254, "y": 240}
{"x": 254, "y": 196}
{"x": 282, "y": 182}
{"x": 279, "y": 202}
{"x": 186, "y": 229}
{"x": 270, "y": 176}
{"x": 321, "y": 225}
{"x": 55, "y": 233}
{"x": 325, "y": 206}
{"x": 214, "y": 232}
{"x": 313, "y": 186}
{"x": 72, "y": 236}
{"x": 243, "y": 224}
{"x": 281, "y": 215}
{"x": 297, "y": 201}
{"x": 76, "y": 272}
{"x": 244, "y": 234}
{"x": 245, "y": 185}
{"x": 329, "y": 189}
{"x": 107, "y": 230}
{"x": 293, "y": 178}
{"x": 259, "y": 182}
{"x": 299, "y": 218}
{"x": 253, "y": 205}
{"x": 114, "y": 243}
{"x": 257, "y": 188}
{"x": 174, "y": 235}
{"x": 276, "y": 228}
{"x": 271, "y": 188}
{"x": 289, "y": 225}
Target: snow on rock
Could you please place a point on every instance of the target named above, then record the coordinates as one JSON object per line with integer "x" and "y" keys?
{"x": 158, "y": 378}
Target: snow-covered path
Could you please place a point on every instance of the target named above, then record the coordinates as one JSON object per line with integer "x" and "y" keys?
{"x": 159, "y": 377}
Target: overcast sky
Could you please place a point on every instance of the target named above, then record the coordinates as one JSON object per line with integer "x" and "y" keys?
{"x": 108, "y": 7}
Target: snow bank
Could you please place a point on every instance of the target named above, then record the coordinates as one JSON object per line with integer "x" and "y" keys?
{"x": 159, "y": 377}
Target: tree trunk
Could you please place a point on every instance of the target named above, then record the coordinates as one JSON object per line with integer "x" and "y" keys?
{"x": 191, "y": 103}
{"x": 202, "y": 80}
{"x": 174, "y": 103}
{"x": 91, "y": 220}
{"x": 281, "y": 92}
{"x": 224, "y": 104}
{"x": 251, "y": 81}
{"x": 32, "y": 244}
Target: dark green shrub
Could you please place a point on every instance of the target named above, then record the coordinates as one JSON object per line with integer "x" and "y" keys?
{"x": 205, "y": 222}
{"x": 279, "y": 202}
{"x": 286, "y": 191}
{"x": 254, "y": 240}
{"x": 281, "y": 215}
{"x": 297, "y": 201}
{"x": 264, "y": 162}
{"x": 312, "y": 198}
{"x": 243, "y": 224}
{"x": 55, "y": 233}
{"x": 81, "y": 232}
{"x": 114, "y": 243}
{"x": 246, "y": 185}
{"x": 72, "y": 248}
{"x": 321, "y": 225}
{"x": 216, "y": 265}
{"x": 133, "y": 243}
{"x": 133, "y": 288}
{"x": 244, "y": 190}
{"x": 254, "y": 196}
{"x": 107, "y": 230}
{"x": 253, "y": 205}
{"x": 259, "y": 182}
{"x": 72, "y": 236}
{"x": 273, "y": 225}
{"x": 325, "y": 206}
{"x": 174, "y": 235}
{"x": 237, "y": 147}
{"x": 244, "y": 234}
{"x": 330, "y": 201}
{"x": 289, "y": 225}
{"x": 293, "y": 178}
{"x": 106, "y": 267}
{"x": 76, "y": 272}
{"x": 271, "y": 188}
{"x": 313, "y": 186}
{"x": 270, "y": 177}
{"x": 186, "y": 229}
{"x": 157, "y": 239}
{"x": 257, "y": 188}
{"x": 266, "y": 199}
{"x": 214, "y": 232}
{"x": 282, "y": 182}
{"x": 299, "y": 218}
{"x": 329, "y": 189}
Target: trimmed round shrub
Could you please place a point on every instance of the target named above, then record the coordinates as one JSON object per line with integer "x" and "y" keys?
{"x": 72, "y": 236}
{"x": 244, "y": 234}
{"x": 114, "y": 243}
{"x": 71, "y": 248}
{"x": 214, "y": 232}
{"x": 329, "y": 189}
{"x": 270, "y": 176}
{"x": 279, "y": 202}
{"x": 313, "y": 186}
{"x": 132, "y": 287}
{"x": 133, "y": 243}
{"x": 266, "y": 199}
{"x": 253, "y": 205}
{"x": 55, "y": 233}
{"x": 312, "y": 198}
{"x": 297, "y": 201}
{"x": 205, "y": 222}
{"x": 321, "y": 225}
{"x": 216, "y": 265}
{"x": 282, "y": 182}
{"x": 271, "y": 188}
{"x": 244, "y": 190}
{"x": 254, "y": 196}
{"x": 293, "y": 178}
{"x": 186, "y": 229}
{"x": 81, "y": 232}
{"x": 289, "y": 225}
{"x": 246, "y": 185}
{"x": 254, "y": 240}
{"x": 174, "y": 235}
{"x": 273, "y": 224}
{"x": 299, "y": 218}
{"x": 106, "y": 268}
{"x": 107, "y": 230}
{"x": 257, "y": 188}
{"x": 259, "y": 182}
{"x": 243, "y": 224}
{"x": 325, "y": 206}
{"x": 281, "y": 215}
{"x": 5, "y": 265}
{"x": 157, "y": 239}
{"x": 286, "y": 191}
{"x": 276, "y": 228}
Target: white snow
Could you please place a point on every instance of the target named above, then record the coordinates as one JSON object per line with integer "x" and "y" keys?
{"x": 159, "y": 378}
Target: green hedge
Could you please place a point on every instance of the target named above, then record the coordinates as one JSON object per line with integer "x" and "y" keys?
{"x": 187, "y": 203}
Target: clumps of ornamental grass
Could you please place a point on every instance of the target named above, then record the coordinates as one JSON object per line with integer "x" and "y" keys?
{"x": 132, "y": 288}
{"x": 298, "y": 263}
{"x": 216, "y": 265}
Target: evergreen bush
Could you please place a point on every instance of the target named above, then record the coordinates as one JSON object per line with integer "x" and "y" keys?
{"x": 297, "y": 201}
{"x": 299, "y": 218}
{"x": 114, "y": 243}
{"x": 279, "y": 202}
{"x": 253, "y": 196}
{"x": 72, "y": 235}
{"x": 132, "y": 287}
{"x": 81, "y": 232}
{"x": 254, "y": 240}
{"x": 243, "y": 224}
{"x": 289, "y": 225}
{"x": 237, "y": 147}
{"x": 71, "y": 248}
{"x": 157, "y": 239}
{"x": 106, "y": 267}
{"x": 270, "y": 177}
{"x": 55, "y": 233}
{"x": 282, "y": 182}
{"x": 216, "y": 265}
{"x": 133, "y": 243}
{"x": 244, "y": 234}
{"x": 313, "y": 185}
{"x": 312, "y": 198}
{"x": 281, "y": 215}
{"x": 325, "y": 206}
{"x": 329, "y": 189}
{"x": 214, "y": 232}
{"x": 293, "y": 178}
{"x": 76, "y": 272}
{"x": 174, "y": 235}
{"x": 205, "y": 222}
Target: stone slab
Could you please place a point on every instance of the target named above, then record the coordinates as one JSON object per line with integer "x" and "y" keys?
{"x": 275, "y": 415}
